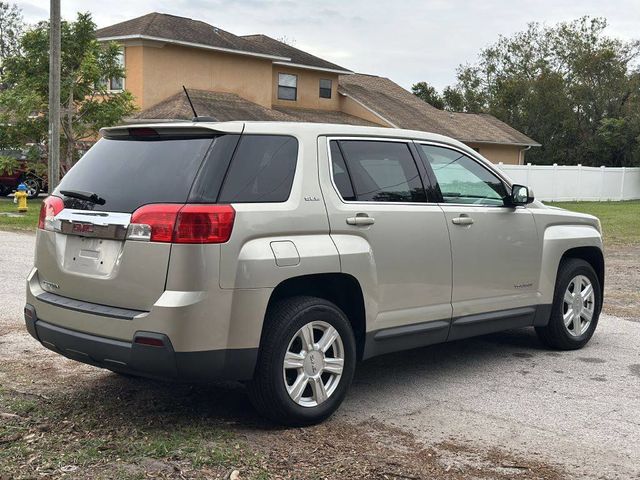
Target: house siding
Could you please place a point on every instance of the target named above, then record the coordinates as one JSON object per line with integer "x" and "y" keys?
{"x": 156, "y": 71}
{"x": 507, "y": 154}
{"x": 308, "y": 89}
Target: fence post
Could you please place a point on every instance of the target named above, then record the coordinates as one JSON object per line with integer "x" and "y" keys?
{"x": 579, "y": 191}
{"x": 554, "y": 188}
{"x": 602, "y": 170}
{"x": 528, "y": 174}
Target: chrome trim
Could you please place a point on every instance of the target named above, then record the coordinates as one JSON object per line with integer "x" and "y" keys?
{"x": 87, "y": 223}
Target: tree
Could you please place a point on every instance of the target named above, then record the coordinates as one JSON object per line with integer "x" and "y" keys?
{"x": 86, "y": 102}
{"x": 569, "y": 86}
{"x": 428, "y": 93}
{"x": 11, "y": 28}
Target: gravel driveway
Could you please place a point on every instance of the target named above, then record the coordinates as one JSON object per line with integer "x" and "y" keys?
{"x": 579, "y": 410}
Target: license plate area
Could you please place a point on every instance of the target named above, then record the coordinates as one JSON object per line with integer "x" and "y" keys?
{"x": 95, "y": 257}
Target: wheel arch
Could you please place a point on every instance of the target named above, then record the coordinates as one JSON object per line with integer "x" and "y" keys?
{"x": 593, "y": 256}
{"x": 340, "y": 288}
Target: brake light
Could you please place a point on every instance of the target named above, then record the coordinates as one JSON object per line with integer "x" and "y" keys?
{"x": 51, "y": 206}
{"x": 204, "y": 224}
{"x": 160, "y": 217}
{"x": 143, "y": 132}
{"x": 190, "y": 223}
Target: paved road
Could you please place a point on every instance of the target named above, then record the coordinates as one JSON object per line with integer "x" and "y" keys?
{"x": 580, "y": 410}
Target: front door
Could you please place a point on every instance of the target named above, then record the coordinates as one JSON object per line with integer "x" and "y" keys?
{"x": 390, "y": 238}
{"x": 495, "y": 248}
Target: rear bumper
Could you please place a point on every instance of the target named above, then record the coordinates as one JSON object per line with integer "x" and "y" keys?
{"x": 145, "y": 360}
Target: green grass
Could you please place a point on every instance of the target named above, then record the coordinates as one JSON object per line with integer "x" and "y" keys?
{"x": 101, "y": 435}
{"x": 620, "y": 220}
{"x": 27, "y": 221}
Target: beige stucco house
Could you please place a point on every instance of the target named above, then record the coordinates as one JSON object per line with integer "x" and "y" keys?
{"x": 256, "y": 77}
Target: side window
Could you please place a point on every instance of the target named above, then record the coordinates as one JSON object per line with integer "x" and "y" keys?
{"x": 380, "y": 171}
{"x": 261, "y": 170}
{"x": 340, "y": 174}
{"x": 462, "y": 179}
{"x": 325, "y": 88}
{"x": 287, "y": 86}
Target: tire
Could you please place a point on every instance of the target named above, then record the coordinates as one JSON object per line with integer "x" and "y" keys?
{"x": 33, "y": 186}
{"x": 572, "y": 335}
{"x": 283, "y": 332}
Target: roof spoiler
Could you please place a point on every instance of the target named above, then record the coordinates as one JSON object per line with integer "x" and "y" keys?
{"x": 155, "y": 131}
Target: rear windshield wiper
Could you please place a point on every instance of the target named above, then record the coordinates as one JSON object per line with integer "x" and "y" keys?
{"x": 88, "y": 196}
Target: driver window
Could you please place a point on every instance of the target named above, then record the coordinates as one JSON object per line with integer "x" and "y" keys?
{"x": 462, "y": 179}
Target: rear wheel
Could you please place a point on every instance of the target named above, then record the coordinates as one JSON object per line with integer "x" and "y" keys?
{"x": 306, "y": 362}
{"x": 576, "y": 306}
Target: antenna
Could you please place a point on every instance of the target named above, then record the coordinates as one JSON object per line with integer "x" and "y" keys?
{"x": 195, "y": 115}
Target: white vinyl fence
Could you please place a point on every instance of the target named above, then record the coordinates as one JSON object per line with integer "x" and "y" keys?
{"x": 575, "y": 182}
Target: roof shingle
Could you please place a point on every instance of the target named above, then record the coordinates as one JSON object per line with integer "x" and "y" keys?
{"x": 298, "y": 57}
{"x": 182, "y": 29}
{"x": 402, "y": 109}
{"x": 221, "y": 106}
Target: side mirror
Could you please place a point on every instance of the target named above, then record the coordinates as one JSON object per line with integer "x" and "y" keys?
{"x": 521, "y": 195}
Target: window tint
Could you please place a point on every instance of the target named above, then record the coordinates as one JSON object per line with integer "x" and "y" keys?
{"x": 287, "y": 86}
{"x": 382, "y": 171}
{"x": 463, "y": 180}
{"x": 340, "y": 174}
{"x": 261, "y": 170}
{"x": 325, "y": 88}
{"x": 132, "y": 173}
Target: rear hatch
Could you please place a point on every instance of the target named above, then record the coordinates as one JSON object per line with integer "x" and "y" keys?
{"x": 86, "y": 251}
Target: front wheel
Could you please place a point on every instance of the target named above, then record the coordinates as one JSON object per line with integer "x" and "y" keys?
{"x": 576, "y": 306}
{"x": 306, "y": 362}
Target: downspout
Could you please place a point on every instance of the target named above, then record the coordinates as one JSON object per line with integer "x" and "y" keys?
{"x": 520, "y": 162}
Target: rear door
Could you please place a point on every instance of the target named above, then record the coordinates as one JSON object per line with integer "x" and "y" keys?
{"x": 87, "y": 256}
{"x": 495, "y": 247}
{"x": 387, "y": 232}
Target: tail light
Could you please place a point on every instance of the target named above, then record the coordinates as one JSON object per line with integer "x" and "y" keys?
{"x": 191, "y": 223}
{"x": 51, "y": 206}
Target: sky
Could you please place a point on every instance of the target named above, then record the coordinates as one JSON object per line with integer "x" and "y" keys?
{"x": 406, "y": 40}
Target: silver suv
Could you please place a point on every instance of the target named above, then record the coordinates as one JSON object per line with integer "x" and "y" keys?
{"x": 281, "y": 254}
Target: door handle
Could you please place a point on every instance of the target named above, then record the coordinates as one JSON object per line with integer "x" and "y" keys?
{"x": 462, "y": 220}
{"x": 361, "y": 219}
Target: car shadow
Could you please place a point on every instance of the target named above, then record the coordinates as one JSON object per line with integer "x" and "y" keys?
{"x": 150, "y": 404}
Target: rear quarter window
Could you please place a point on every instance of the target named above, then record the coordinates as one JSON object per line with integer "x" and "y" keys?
{"x": 261, "y": 170}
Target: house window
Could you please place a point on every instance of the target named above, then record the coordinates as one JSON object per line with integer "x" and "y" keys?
{"x": 116, "y": 84}
{"x": 287, "y": 86}
{"x": 325, "y": 88}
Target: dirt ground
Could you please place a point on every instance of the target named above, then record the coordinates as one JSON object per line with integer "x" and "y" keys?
{"x": 622, "y": 282}
{"x": 62, "y": 419}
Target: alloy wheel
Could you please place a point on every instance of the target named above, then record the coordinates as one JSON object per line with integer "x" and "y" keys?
{"x": 578, "y": 305}
{"x": 313, "y": 364}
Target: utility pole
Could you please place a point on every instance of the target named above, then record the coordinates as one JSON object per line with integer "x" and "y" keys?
{"x": 54, "y": 95}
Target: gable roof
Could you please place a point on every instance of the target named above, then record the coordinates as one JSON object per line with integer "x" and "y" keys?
{"x": 401, "y": 109}
{"x": 184, "y": 31}
{"x": 296, "y": 56}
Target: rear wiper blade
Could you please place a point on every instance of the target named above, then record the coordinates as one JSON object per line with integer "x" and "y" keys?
{"x": 88, "y": 196}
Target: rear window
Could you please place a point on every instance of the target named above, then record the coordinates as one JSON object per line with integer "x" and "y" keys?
{"x": 130, "y": 173}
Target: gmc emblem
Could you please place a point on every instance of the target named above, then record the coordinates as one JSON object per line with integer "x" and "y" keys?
{"x": 82, "y": 228}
